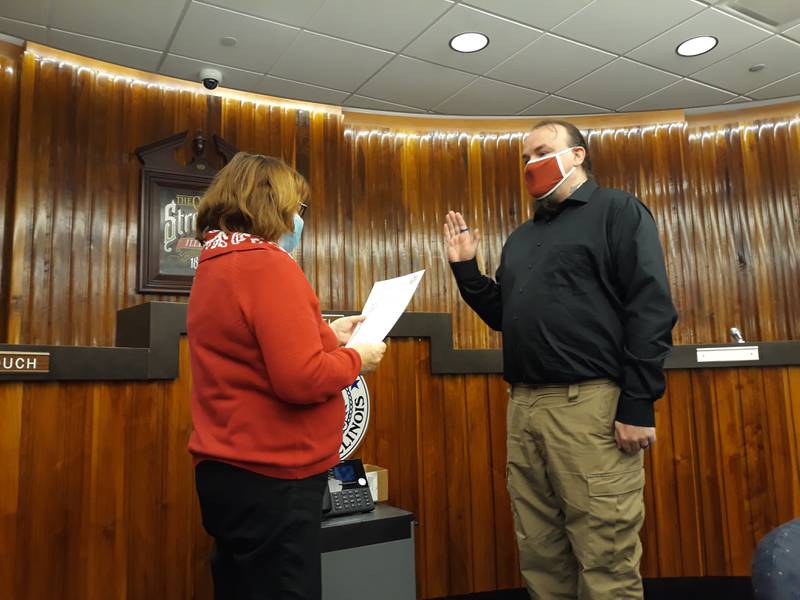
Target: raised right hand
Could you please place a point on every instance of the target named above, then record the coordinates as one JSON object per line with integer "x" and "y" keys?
{"x": 461, "y": 242}
{"x": 371, "y": 355}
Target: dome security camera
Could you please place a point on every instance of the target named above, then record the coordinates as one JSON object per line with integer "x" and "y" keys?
{"x": 211, "y": 78}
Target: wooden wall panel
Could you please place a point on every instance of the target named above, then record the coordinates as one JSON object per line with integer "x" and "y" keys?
{"x": 99, "y": 501}
{"x": 97, "y": 497}
{"x": 11, "y": 422}
{"x": 719, "y": 227}
{"x": 723, "y": 473}
{"x": 76, "y": 203}
{"x": 727, "y": 470}
{"x": 9, "y": 109}
{"x": 725, "y": 197}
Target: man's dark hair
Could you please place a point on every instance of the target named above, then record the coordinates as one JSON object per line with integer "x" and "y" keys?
{"x": 574, "y": 136}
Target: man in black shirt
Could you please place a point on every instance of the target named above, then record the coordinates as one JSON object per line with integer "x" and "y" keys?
{"x": 582, "y": 298}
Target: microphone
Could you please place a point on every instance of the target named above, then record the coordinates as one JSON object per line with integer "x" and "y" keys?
{"x": 737, "y": 335}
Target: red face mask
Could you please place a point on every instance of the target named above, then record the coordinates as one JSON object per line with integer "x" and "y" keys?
{"x": 543, "y": 175}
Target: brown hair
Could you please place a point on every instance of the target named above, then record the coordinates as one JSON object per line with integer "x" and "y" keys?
{"x": 254, "y": 194}
{"x": 574, "y": 136}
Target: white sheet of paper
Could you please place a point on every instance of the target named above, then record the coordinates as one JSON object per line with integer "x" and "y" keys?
{"x": 386, "y": 302}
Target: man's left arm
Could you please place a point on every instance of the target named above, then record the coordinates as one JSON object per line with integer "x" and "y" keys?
{"x": 648, "y": 314}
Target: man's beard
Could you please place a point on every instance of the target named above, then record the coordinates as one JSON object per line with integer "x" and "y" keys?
{"x": 548, "y": 204}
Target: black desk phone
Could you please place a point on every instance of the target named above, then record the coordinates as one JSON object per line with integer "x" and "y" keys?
{"x": 347, "y": 491}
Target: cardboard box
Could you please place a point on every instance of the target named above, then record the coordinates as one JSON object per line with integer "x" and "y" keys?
{"x": 378, "y": 480}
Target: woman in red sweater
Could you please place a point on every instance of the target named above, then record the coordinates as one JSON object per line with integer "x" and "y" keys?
{"x": 267, "y": 375}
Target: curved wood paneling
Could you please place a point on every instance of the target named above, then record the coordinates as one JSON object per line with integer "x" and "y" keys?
{"x": 73, "y": 263}
{"x": 724, "y": 197}
{"x": 96, "y": 498}
{"x": 726, "y": 208}
{"x": 9, "y": 108}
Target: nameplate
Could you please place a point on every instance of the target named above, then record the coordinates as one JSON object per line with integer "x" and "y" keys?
{"x": 727, "y": 354}
{"x": 24, "y": 362}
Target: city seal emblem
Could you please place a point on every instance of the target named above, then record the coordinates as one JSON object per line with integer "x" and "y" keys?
{"x": 356, "y": 417}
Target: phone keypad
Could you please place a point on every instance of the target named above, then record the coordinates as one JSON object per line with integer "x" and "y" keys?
{"x": 353, "y": 500}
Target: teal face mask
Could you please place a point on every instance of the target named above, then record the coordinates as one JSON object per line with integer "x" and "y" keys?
{"x": 289, "y": 241}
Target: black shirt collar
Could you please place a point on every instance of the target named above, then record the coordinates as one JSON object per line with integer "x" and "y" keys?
{"x": 583, "y": 193}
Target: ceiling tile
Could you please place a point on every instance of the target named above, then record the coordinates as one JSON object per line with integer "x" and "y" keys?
{"x": 617, "y": 84}
{"x": 566, "y": 62}
{"x": 357, "y": 101}
{"x": 415, "y": 83}
{"x": 600, "y": 23}
{"x": 554, "y": 105}
{"x": 487, "y": 97}
{"x": 505, "y": 38}
{"x": 780, "y": 89}
{"x": 144, "y": 23}
{"x": 329, "y": 62}
{"x": 259, "y": 43}
{"x": 543, "y": 14}
{"x": 113, "y": 52}
{"x": 30, "y": 11}
{"x": 384, "y": 24}
{"x": 793, "y": 33}
{"x": 780, "y": 57}
{"x": 683, "y": 94}
{"x": 25, "y": 31}
{"x": 774, "y": 14}
{"x": 733, "y": 35}
{"x": 292, "y": 12}
{"x": 294, "y": 90}
{"x": 739, "y": 100}
{"x": 186, "y": 68}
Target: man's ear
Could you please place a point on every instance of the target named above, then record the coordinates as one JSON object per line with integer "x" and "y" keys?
{"x": 580, "y": 155}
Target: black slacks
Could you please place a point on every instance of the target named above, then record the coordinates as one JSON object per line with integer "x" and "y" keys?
{"x": 266, "y": 533}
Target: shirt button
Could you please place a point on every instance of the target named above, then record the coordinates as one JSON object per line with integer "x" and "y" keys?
{"x": 530, "y": 267}
{"x": 516, "y": 317}
{"x": 520, "y": 290}
{"x": 539, "y": 244}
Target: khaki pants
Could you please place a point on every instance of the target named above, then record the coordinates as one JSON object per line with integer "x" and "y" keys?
{"x": 577, "y": 500}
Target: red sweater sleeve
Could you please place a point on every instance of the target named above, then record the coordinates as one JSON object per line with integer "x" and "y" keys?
{"x": 282, "y": 310}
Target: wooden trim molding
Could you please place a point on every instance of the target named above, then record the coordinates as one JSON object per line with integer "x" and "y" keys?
{"x": 148, "y": 337}
{"x": 500, "y": 125}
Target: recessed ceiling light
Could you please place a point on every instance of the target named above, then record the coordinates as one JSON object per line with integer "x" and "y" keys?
{"x": 697, "y": 45}
{"x": 757, "y": 68}
{"x": 228, "y": 41}
{"x": 469, "y": 42}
